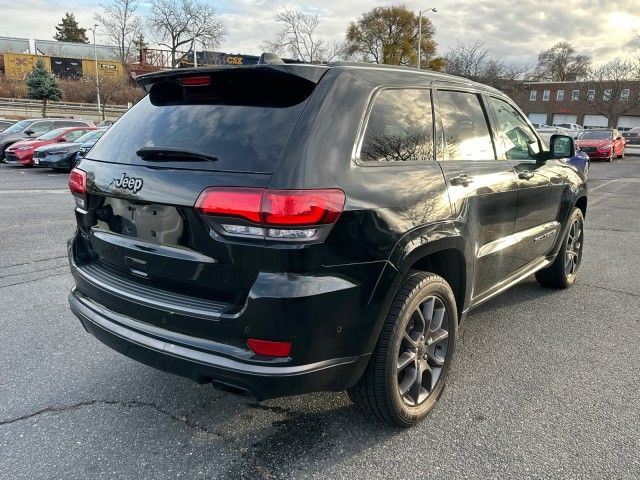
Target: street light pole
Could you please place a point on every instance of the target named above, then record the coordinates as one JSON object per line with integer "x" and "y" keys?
{"x": 95, "y": 57}
{"x": 434, "y": 10}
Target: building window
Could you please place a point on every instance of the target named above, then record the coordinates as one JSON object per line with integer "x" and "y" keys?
{"x": 545, "y": 96}
{"x": 591, "y": 95}
{"x": 607, "y": 95}
{"x": 559, "y": 95}
{"x": 575, "y": 95}
{"x": 532, "y": 95}
{"x": 624, "y": 94}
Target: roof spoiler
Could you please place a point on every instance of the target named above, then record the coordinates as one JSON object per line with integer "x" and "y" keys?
{"x": 309, "y": 73}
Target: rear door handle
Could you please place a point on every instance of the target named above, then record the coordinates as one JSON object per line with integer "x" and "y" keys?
{"x": 462, "y": 179}
{"x": 526, "y": 175}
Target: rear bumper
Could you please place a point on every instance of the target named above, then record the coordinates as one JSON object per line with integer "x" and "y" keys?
{"x": 53, "y": 162}
{"x": 148, "y": 344}
{"x": 328, "y": 319}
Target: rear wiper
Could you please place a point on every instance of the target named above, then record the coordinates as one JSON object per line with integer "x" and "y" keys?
{"x": 168, "y": 154}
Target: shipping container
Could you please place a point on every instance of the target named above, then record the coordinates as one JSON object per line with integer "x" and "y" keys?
{"x": 18, "y": 65}
{"x": 66, "y": 67}
{"x": 106, "y": 68}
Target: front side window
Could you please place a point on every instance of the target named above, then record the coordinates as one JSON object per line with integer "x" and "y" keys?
{"x": 532, "y": 95}
{"x": 466, "y": 133}
{"x": 545, "y": 95}
{"x": 400, "y": 127}
{"x": 40, "y": 127}
{"x": 559, "y": 95}
{"x": 575, "y": 95}
{"x": 519, "y": 140}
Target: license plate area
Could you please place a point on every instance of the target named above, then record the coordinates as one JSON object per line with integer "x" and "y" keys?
{"x": 161, "y": 224}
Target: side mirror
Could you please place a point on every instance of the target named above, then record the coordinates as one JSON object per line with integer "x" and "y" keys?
{"x": 562, "y": 146}
{"x": 29, "y": 132}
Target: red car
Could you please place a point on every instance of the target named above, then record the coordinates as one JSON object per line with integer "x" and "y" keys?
{"x": 605, "y": 143}
{"x": 22, "y": 152}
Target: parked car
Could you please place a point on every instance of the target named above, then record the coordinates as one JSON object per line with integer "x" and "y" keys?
{"x": 106, "y": 123}
{"x": 546, "y": 132}
{"x": 632, "y": 137}
{"x": 22, "y": 152}
{"x": 539, "y": 125}
{"x": 4, "y": 124}
{"x": 581, "y": 161}
{"x": 277, "y": 229}
{"x": 575, "y": 129}
{"x": 33, "y": 128}
{"x": 64, "y": 156}
{"x": 603, "y": 143}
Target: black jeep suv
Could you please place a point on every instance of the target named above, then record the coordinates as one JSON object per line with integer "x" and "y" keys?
{"x": 278, "y": 229}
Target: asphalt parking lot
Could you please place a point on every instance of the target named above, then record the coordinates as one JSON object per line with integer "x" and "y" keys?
{"x": 545, "y": 383}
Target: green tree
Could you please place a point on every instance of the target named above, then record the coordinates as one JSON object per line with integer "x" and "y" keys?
{"x": 390, "y": 35}
{"x": 68, "y": 30}
{"x": 42, "y": 85}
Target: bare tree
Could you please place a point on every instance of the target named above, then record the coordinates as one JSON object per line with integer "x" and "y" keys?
{"x": 177, "y": 23}
{"x": 298, "y": 38}
{"x": 120, "y": 26}
{"x": 560, "y": 63}
{"x": 611, "y": 90}
{"x": 474, "y": 61}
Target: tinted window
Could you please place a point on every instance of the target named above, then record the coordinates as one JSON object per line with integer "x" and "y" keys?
{"x": 400, "y": 127}
{"x": 466, "y": 134}
{"x": 242, "y": 137}
{"x": 520, "y": 142}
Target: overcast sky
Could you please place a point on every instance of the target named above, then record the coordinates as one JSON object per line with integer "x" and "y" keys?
{"x": 515, "y": 30}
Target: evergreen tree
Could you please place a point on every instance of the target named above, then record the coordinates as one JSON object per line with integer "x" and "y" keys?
{"x": 42, "y": 85}
{"x": 68, "y": 30}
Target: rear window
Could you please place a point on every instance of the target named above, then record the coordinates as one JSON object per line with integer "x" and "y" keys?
{"x": 245, "y": 132}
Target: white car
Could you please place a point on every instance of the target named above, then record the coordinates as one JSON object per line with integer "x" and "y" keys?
{"x": 546, "y": 132}
{"x": 574, "y": 129}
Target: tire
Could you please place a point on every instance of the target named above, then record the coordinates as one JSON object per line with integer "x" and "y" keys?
{"x": 563, "y": 271}
{"x": 424, "y": 302}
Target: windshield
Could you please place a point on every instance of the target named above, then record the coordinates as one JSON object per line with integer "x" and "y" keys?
{"x": 90, "y": 136}
{"x": 596, "y": 135}
{"x": 18, "y": 127}
{"x": 52, "y": 134}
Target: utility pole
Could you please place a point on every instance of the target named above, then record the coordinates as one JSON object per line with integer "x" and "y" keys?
{"x": 95, "y": 57}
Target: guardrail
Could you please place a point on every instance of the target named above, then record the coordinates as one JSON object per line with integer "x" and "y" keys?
{"x": 29, "y": 107}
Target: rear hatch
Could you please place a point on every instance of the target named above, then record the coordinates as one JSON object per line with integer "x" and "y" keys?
{"x": 196, "y": 129}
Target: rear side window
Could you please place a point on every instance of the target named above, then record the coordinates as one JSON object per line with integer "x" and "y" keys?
{"x": 465, "y": 129}
{"x": 400, "y": 127}
{"x": 243, "y": 123}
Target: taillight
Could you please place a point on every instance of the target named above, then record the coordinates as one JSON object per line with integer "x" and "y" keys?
{"x": 302, "y": 207}
{"x": 269, "y": 348}
{"x": 78, "y": 186}
{"x": 194, "y": 81}
{"x": 299, "y": 212}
